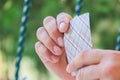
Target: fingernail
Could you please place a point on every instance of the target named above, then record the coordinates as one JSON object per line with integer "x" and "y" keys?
{"x": 54, "y": 58}
{"x": 62, "y": 25}
{"x": 57, "y": 50}
{"x": 60, "y": 41}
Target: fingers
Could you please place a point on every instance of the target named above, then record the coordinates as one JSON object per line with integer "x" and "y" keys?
{"x": 50, "y": 36}
{"x": 84, "y": 59}
{"x": 89, "y": 73}
{"x": 51, "y": 27}
{"x": 63, "y": 21}
{"x": 43, "y": 36}
{"x": 44, "y": 54}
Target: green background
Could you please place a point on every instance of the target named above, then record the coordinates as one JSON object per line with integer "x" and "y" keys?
{"x": 104, "y": 18}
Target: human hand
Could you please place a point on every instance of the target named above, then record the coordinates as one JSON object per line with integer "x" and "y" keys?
{"x": 50, "y": 47}
{"x": 96, "y": 65}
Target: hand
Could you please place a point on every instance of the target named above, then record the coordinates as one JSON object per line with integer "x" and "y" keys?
{"x": 50, "y": 48}
{"x": 96, "y": 65}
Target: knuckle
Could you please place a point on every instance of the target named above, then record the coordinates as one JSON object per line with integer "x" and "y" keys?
{"x": 49, "y": 42}
{"x": 52, "y": 30}
{"x": 108, "y": 71}
{"x": 48, "y": 19}
{"x": 54, "y": 35}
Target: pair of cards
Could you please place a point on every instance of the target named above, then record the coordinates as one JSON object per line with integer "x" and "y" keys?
{"x": 78, "y": 37}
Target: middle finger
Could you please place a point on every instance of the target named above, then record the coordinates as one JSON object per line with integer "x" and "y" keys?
{"x": 51, "y": 27}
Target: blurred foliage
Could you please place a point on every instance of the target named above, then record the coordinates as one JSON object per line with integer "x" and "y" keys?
{"x": 104, "y": 14}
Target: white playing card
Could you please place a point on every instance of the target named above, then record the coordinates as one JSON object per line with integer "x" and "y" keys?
{"x": 78, "y": 37}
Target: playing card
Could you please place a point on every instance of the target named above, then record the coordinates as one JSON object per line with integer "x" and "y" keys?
{"x": 78, "y": 37}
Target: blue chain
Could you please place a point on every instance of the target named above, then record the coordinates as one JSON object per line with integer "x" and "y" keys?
{"x": 22, "y": 37}
{"x": 118, "y": 41}
{"x": 78, "y": 7}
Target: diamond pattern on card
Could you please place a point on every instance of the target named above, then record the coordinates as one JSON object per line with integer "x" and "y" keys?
{"x": 78, "y": 37}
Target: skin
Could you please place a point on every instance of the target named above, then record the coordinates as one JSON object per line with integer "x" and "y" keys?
{"x": 94, "y": 64}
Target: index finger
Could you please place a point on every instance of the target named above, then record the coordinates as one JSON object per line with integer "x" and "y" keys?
{"x": 63, "y": 21}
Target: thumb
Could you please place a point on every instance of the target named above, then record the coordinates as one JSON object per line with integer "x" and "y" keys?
{"x": 63, "y": 21}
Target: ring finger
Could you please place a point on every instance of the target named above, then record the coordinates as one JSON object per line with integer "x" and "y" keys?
{"x": 43, "y": 36}
{"x": 51, "y": 27}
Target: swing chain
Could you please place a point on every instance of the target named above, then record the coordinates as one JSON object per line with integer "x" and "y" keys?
{"x": 118, "y": 42}
{"x": 22, "y": 37}
{"x": 78, "y": 7}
